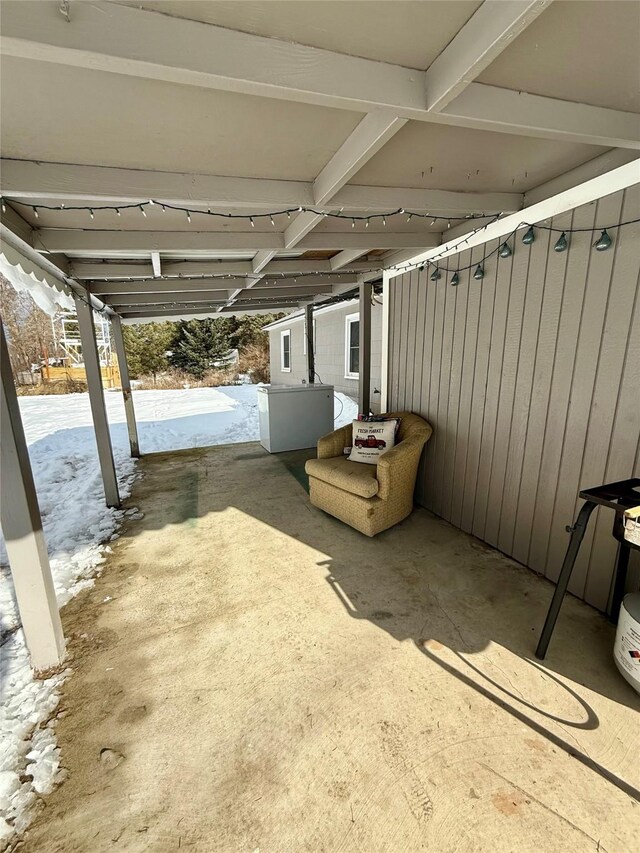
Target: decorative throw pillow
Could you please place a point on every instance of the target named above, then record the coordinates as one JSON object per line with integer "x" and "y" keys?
{"x": 372, "y": 439}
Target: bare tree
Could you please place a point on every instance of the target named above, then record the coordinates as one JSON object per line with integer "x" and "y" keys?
{"x": 28, "y": 329}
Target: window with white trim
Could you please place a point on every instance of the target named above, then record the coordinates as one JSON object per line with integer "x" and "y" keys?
{"x": 352, "y": 346}
{"x": 285, "y": 351}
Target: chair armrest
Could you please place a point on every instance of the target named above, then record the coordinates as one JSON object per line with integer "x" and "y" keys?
{"x": 397, "y": 468}
{"x": 334, "y": 443}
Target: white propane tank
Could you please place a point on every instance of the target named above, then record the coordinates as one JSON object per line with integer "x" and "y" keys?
{"x": 626, "y": 652}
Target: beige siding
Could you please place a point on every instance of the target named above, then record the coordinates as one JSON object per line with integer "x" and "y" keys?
{"x": 531, "y": 379}
{"x": 329, "y": 352}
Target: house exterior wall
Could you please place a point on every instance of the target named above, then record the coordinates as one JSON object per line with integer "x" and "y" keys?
{"x": 330, "y": 330}
{"x": 531, "y": 381}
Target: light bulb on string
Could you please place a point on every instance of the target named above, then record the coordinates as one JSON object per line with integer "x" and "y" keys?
{"x": 164, "y": 209}
{"x": 288, "y": 215}
{"x": 529, "y": 237}
{"x": 35, "y": 212}
{"x": 562, "y": 243}
{"x": 271, "y": 221}
{"x": 478, "y": 272}
{"x": 143, "y": 211}
{"x": 603, "y": 242}
{"x": 448, "y": 223}
{"x": 409, "y": 217}
{"x": 435, "y": 275}
{"x": 353, "y": 223}
{"x": 455, "y": 280}
{"x": 384, "y": 220}
{"x": 91, "y": 213}
{"x": 505, "y": 251}
{"x": 188, "y": 216}
{"x": 253, "y": 224}
{"x": 117, "y": 211}
{"x": 433, "y": 221}
{"x": 366, "y": 224}
{"x": 4, "y": 207}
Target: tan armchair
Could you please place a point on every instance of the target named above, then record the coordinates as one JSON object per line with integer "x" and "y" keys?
{"x": 370, "y": 498}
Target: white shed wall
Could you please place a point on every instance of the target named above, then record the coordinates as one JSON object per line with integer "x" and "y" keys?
{"x": 329, "y": 351}
{"x": 531, "y": 380}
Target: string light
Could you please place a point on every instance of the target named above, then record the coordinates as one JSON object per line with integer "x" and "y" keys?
{"x": 188, "y": 216}
{"x": 455, "y": 280}
{"x": 435, "y": 275}
{"x": 144, "y": 212}
{"x": 4, "y": 207}
{"x": 271, "y": 219}
{"x": 253, "y": 224}
{"x": 117, "y": 211}
{"x": 603, "y": 242}
{"x": 479, "y": 272}
{"x": 505, "y": 251}
{"x": 35, "y": 212}
{"x": 91, "y": 213}
{"x": 562, "y": 243}
{"x": 529, "y": 237}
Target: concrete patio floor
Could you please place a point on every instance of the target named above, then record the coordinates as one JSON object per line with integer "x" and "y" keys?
{"x": 267, "y": 679}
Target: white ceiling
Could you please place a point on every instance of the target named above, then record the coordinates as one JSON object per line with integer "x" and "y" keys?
{"x": 76, "y": 107}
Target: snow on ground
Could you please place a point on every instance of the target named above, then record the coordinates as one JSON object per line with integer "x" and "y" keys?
{"x": 78, "y": 527}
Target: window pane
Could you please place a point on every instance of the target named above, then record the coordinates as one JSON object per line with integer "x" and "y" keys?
{"x": 354, "y": 360}
{"x": 354, "y": 333}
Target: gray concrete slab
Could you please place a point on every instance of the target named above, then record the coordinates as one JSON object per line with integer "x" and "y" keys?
{"x": 266, "y": 678}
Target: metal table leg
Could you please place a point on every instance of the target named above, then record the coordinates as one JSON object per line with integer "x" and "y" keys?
{"x": 577, "y": 534}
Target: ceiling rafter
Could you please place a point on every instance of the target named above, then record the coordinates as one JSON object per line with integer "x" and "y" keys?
{"x": 177, "y": 50}
{"x": 365, "y": 140}
{"x": 196, "y": 270}
{"x": 55, "y": 183}
{"x": 114, "y": 288}
{"x": 491, "y": 29}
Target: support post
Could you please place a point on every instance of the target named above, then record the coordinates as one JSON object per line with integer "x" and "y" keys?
{"x": 364, "y": 385}
{"x": 96, "y": 398}
{"x": 22, "y": 530}
{"x": 132, "y": 429}
{"x": 311, "y": 356}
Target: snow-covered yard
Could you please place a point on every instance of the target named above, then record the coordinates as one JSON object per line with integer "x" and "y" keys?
{"x": 78, "y": 527}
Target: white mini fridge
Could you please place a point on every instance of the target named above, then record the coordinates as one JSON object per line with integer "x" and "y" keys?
{"x": 294, "y": 416}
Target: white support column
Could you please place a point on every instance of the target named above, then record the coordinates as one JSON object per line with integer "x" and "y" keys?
{"x": 384, "y": 374}
{"x": 123, "y": 367}
{"x": 96, "y": 399}
{"x": 364, "y": 385}
{"x": 22, "y": 530}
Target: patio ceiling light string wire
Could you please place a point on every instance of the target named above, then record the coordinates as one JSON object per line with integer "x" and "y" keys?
{"x": 504, "y": 249}
{"x": 251, "y": 217}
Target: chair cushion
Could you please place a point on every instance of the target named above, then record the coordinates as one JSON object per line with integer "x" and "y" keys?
{"x": 353, "y": 477}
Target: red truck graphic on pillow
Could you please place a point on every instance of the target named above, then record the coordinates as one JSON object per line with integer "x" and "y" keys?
{"x": 370, "y": 441}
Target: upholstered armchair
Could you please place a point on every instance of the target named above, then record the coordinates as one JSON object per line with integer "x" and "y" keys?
{"x": 370, "y": 498}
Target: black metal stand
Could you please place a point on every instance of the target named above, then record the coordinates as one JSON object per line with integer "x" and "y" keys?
{"x": 616, "y": 496}
{"x": 577, "y": 535}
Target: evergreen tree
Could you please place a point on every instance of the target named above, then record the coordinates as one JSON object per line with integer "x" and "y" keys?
{"x": 147, "y": 345}
{"x": 200, "y": 343}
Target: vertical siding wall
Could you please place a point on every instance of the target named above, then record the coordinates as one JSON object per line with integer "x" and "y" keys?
{"x": 329, "y": 352}
{"x": 531, "y": 380}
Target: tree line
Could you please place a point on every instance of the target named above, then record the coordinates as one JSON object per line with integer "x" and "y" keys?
{"x": 194, "y": 346}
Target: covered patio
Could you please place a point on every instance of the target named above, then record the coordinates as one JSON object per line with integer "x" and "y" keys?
{"x": 250, "y": 674}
